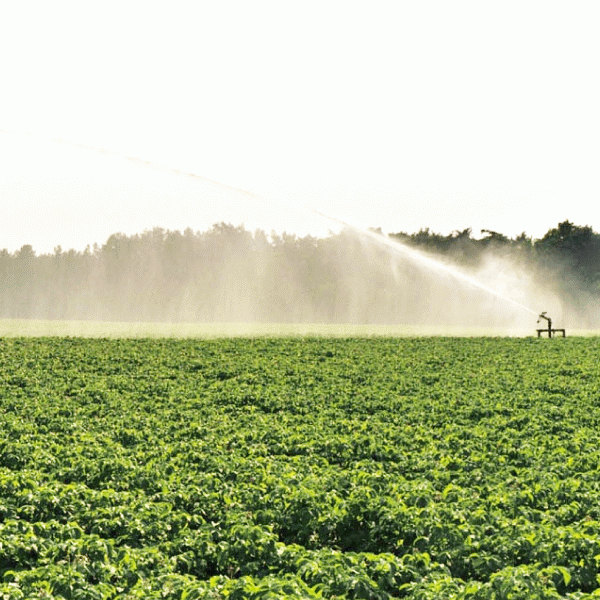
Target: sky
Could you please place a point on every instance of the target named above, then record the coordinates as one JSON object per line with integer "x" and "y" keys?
{"x": 401, "y": 115}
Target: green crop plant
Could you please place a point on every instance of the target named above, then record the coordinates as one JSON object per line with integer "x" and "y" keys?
{"x": 366, "y": 468}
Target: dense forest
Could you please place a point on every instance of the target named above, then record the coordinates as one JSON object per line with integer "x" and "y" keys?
{"x": 230, "y": 274}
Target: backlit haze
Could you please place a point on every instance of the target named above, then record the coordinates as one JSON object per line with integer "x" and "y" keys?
{"x": 400, "y": 115}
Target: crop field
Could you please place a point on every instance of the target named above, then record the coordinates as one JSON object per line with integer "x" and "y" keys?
{"x": 303, "y": 467}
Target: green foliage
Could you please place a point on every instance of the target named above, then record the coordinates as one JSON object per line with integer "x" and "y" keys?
{"x": 299, "y": 468}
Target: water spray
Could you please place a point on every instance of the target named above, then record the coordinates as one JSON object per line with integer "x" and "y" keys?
{"x": 429, "y": 262}
{"x": 413, "y": 254}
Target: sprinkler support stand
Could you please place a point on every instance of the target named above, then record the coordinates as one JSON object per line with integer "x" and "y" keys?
{"x": 549, "y": 329}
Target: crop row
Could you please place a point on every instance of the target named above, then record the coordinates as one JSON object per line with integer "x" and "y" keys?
{"x": 301, "y": 468}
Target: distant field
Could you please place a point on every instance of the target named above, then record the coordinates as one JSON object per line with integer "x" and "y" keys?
{"x": 42, "y": 328}
{"x": 299, "y": 468}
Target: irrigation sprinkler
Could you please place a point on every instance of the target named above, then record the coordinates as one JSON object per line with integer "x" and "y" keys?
{"x": 548, "y": 329}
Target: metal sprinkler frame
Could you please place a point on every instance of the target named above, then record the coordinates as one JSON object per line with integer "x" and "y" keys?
{"x": 549, "y": 330}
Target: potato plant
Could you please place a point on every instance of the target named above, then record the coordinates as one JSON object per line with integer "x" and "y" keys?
{"x": 299, "y": 468}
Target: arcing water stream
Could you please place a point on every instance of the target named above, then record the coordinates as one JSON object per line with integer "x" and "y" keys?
{"x": 394, "y": 248}
{"x": 138, "y": 162}
{"x": 427, "y": 261}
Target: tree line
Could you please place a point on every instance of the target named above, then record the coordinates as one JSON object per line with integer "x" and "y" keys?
{"x": 569, "y": 253}
{"x": 231, "y": 274}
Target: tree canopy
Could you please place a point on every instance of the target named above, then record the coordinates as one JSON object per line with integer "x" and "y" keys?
{"x": 230, "y": 274}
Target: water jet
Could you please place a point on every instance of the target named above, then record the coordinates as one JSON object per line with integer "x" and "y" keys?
{"x": 423, "y": 259}
{"x": 439, "y": 292}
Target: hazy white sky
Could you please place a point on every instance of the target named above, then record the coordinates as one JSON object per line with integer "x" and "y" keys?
{"x": 403, "y": 114}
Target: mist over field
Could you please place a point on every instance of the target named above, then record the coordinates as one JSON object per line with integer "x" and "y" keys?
{"x": 229, "y": 274}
